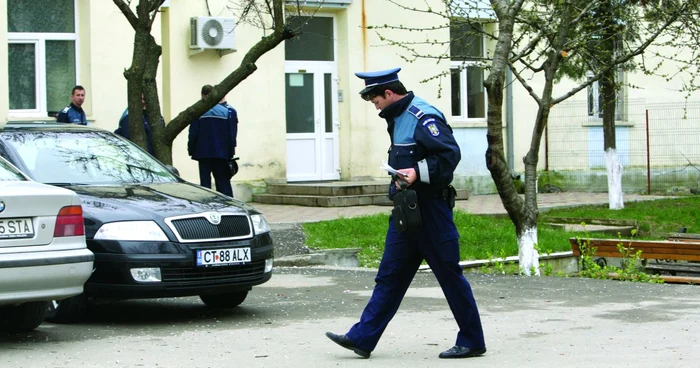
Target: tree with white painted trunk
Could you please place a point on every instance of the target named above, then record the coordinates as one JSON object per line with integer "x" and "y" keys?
{"x": 540, "y": 41}
{"x": 619, "y": 27}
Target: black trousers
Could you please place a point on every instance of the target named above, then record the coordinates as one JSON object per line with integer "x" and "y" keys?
{"x": 221, "y": 171}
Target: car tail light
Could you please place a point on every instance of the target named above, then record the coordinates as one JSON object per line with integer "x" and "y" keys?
{"x": 69, "y": 222}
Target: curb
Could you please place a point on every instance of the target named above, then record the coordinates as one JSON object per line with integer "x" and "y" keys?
{"x": 564, "y": 262}
{"x": 341, "y": 257}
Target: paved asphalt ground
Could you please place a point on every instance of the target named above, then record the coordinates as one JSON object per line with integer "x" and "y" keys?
{"x": 528, "y": 322}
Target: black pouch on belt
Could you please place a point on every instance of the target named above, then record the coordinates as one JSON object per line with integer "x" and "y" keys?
{"x": 450, "y": 195}
{"x": 406, "y": 214}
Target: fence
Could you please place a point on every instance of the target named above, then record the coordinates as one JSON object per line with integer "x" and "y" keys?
{"x": 657, "y": 143}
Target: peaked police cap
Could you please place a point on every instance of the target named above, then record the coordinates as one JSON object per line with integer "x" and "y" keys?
{"x": 373, "y": 79}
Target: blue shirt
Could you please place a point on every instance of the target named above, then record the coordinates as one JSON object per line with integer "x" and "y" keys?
{"x": 72, "y": 114}
{"x": 212, "y": 135}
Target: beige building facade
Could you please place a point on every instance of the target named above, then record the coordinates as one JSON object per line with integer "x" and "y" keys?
{"x": 301, "y": 118}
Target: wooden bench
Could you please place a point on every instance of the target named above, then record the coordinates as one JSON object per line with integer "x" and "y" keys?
{"x": 666, "y": 254}
{"x": 686, "y": 237}
{"x": 679, "y": 250}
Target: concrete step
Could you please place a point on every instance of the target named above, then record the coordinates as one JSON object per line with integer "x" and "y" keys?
{"x": 334, "y": 201}
{"x": 605, "y": 229}
{"x": 323, "y": 200}
{"x": 336, "y": 188}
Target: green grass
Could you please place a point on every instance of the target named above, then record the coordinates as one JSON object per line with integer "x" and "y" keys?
{"x": 483, "y": 237}
{"x": 656, "y": 218}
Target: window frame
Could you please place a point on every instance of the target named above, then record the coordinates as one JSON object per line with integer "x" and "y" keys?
{"x": 464, "y": 95}
{"x": 334, "y": 40}
{"x": 39, "y": 40}
{"x": 593, "y": 97}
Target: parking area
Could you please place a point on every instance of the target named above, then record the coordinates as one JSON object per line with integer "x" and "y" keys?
{"x": 529, "y": 322}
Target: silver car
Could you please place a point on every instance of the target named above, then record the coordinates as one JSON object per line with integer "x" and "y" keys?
{"x": 43, "y": 254}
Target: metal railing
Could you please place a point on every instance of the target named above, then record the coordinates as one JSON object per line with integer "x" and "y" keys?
{"x": 657, "y": 143}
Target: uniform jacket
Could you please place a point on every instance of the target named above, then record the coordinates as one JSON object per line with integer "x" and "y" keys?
{"x": 422, "y": 140}
{"x": 72, "y": 114}
{"x": 211, "y": 136}
{"x": 233, "y": 120}
{"x": 123, "y": 129}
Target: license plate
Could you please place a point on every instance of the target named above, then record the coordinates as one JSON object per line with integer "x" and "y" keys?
{"x": 222, "y": 257}
{"x": 16, "y": 228}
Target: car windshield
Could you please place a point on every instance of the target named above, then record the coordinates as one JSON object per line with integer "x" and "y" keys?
{"x": 9, "y": 173}
{"x": 85, "y": 158}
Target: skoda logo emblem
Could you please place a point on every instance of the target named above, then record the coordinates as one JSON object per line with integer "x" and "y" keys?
{"x": 214, "y": 218}
{"x": 2, "y": 206}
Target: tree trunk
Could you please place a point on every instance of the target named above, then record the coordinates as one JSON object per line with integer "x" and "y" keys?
{"x": 525, "y": 221}
{"x": 161, "y": 146}
{"x": 608, "y": 88}
{"x": 141, "y": 81}
{"x": 134, "y": 86}
{"x": 523, "y": 213}
{"x": 614, "y": 169}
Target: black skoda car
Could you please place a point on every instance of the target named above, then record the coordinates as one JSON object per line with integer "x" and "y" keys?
{"x": 153, "y": 234}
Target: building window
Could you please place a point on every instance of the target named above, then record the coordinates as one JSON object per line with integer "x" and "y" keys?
{"x": 595, "y": 98}
{"x": 315, "y": 43}
{"x": 41, "y": 56}
{"x": 466, "y": 75}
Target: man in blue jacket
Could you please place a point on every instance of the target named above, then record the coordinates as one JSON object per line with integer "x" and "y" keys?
{"x": 212, "y": 143}
{"x": 74, "y": 113}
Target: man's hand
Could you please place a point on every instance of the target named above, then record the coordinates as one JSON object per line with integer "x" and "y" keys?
{"x": 410, "y": 177}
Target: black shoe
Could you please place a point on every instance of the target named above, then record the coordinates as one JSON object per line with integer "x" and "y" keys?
{"x": 461, "y": 352}
{"x": 343, "y": 341}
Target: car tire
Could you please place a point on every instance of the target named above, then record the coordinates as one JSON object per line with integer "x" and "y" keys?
{"x": 67, "y": 310}
{"x": 22, "y": 318}
{"x": 227, "y": 300}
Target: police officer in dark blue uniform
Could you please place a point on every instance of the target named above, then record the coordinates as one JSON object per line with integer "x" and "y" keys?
{"x": 123, "y": 129}
{"x": 425, "y": 152}
{"x": 210, "y": 143}
{"x": 74, "y": 113}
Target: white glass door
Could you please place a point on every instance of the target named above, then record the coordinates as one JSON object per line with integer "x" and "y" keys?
{"x": 312, "y": 121}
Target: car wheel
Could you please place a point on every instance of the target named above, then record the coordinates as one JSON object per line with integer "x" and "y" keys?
{"x": 22, "y": 318}
{"x": 67, "y": 310}
{"x": 228, "y": 300}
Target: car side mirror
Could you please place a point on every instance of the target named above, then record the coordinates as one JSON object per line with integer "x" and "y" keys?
{"x": 172, "y": 169}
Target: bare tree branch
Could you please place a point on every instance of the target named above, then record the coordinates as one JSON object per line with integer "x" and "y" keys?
{"x": 130, "y": 16}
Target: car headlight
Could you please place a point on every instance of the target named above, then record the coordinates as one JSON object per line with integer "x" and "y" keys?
{"x": 131, "y": 231}
{"x": 260, "y": 225}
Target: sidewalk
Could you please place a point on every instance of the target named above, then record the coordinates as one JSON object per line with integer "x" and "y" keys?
{"x": 480, "y": 204}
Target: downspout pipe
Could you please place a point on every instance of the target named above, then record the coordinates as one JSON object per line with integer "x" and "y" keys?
{"x": 509, "y": 120}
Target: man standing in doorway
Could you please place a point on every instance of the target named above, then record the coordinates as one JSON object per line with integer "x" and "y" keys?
{"x": 74, "y": 113}
{"x": 425, "y": 153}
{"x": 211, "y": 143}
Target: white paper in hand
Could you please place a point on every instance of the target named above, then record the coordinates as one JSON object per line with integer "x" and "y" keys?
{"x": 391, "y": 170}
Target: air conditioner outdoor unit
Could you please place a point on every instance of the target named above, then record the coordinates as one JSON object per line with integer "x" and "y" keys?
{"x": 212, "y": 33}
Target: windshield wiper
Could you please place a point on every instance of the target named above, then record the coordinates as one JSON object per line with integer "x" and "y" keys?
{"x": 66, "y": 184}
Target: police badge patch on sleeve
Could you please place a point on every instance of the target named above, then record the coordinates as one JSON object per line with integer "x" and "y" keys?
{"x": 434, "y": 131}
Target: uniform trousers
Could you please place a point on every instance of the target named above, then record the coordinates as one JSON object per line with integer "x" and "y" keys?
{"x": 436, "y": 242}
{"x": 221, "y": 171}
